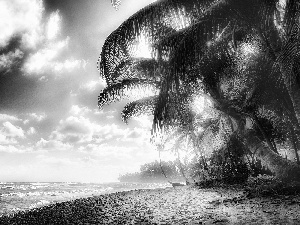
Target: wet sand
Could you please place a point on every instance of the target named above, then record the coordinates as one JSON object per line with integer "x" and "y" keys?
{"x": 180, "y": 205}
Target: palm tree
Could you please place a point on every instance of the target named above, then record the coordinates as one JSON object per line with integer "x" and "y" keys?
{"x": 201, "y": 44}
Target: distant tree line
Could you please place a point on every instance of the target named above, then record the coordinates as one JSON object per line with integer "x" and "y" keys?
{"x": 152, "y": 172}
{"x": 230, "y": 164}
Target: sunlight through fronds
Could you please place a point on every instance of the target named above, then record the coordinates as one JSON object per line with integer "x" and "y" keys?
{"x": 140, "y": 92}
{"x": 178, "y": 19}
{"x": 153, "y": 22}
{"x": 200, "y": 105}
{"x": 279, "y": 17}
{"x": 131, "y": 89}
{"x": 141, "y": 48}
{"x": 248, "y": 50}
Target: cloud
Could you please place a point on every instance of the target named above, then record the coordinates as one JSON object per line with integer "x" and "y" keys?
{"x": 4, "y": 140}
{"x": 8, "y": 131}
{"x": 76, "y": 125}
{"x": 74, "y": 129}
{"x": 89, "y": 88}
{"x": 5, "y": 117}
{"x": 21, "y": 17}
{"x": 31, "y": 131}
{"x": 144, "y": 121}
{"x": 102, "y": 112}
{"x": 76, "y": 110}
{"x": 80, "y": 129}
{"x": 38, "y": 34}
{"x": 43, "y": 79}
{"x": 16, "y": 148}
{"x": 37, "y": 117}
{"x": 134, "y": 134}
{"x": 10, "y": 59}
{"x": 138, "y": 136}
{"x": 11, "y": 130}
{"x": 109, "y": 133}
{"x": 93, "y": 85}
{"x": 88, "y": 148}
{"x": 53, "y": 25}
{"x": 68, "y": 65}
{"x": 46, "y": 60}
{"x": 9, "y": 149}
{"x": 52, "y": 145}
{"x": 42, "y": 60}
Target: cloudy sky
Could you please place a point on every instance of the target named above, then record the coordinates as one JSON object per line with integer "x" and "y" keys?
{"x": 50, "y": 126}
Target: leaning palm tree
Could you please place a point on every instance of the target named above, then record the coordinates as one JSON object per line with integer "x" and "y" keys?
{"x": 200, "y": 44}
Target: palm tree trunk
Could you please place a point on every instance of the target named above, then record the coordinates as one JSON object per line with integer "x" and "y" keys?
{"x": 289, "y": 54}
{"x": 163, "y": 172}
{"x": 294, "y": 92}
{"x": 283, "y": 169}
{"x": 180, "y": 167}
{"x": 294, "y": 143}
{"x": 294, "y": 126}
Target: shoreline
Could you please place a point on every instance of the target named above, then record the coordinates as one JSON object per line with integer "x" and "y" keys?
{"x": 26, "y": 196}
{"x": 180, "y": 205}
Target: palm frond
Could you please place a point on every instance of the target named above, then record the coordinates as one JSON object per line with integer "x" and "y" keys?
{"x": 167, "y": 14}
{"x": 224, "y": 24}
{"x": 122, "y": 89}
{"x": 143, "y": 106}
{"x": 141, "y": 68}
{"x": 171, "y": 109}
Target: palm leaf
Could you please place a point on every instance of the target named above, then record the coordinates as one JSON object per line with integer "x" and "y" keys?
{"x": 157, "y": 15}
{"x": 141, "y": 68}
{"x": 136, "y": 108}
{"x": 121, "y": 89}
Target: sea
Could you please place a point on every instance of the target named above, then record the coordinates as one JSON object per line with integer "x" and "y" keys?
{"x": 21, "y": 196}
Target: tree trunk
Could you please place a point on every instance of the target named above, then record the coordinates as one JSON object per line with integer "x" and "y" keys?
{"x": 162, "y": 170}
{"x": 180, "y": 167}
{"x": 294, "y": 143}
{"x": 294, "y": 92}
{"x": 283, "y": 169}
{"x": 289, "y": 54}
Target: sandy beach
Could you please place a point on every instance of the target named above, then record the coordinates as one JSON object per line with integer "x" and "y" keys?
{"x": 180, "y": 205}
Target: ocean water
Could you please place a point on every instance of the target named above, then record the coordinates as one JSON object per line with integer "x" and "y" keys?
{"x": 19, "y": 196}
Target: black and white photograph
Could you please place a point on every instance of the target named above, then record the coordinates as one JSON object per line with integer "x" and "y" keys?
{"x": 163, "y": 112}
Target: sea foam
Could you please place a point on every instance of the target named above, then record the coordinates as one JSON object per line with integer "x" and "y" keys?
{"x": 20, "y": 196}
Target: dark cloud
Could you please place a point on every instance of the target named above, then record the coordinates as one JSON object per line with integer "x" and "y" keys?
{"x": 16, "y": 91}
{"x": 13, "y": 44}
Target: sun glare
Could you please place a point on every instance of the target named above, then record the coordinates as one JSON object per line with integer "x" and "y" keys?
{"x": 248, "y": 49}
{"x": 141, "y": 48}
{"x": 178, "y": 19}
{"x": 143, "y": 92}
{"x": 200, "y": 103}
